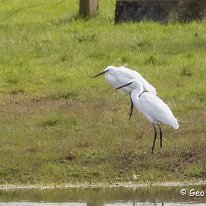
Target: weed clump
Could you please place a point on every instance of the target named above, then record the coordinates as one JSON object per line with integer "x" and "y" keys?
{"x": 186, "y": 72}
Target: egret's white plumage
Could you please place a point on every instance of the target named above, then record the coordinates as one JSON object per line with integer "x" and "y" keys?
{"x": 118, "y": 76}
{"x": 153, "y": 108}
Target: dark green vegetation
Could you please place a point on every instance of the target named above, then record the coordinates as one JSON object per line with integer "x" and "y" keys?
{"x": 57, "y": 125}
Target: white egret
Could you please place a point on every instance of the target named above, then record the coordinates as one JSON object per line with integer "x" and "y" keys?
{"x": 118, "y": 76}
{"x": 153, "y": 108}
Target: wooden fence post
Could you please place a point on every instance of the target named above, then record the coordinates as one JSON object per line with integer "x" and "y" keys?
{"x": 88, "y": 8}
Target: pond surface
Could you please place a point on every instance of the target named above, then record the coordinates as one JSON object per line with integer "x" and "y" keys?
{"x": 148, "y": 196}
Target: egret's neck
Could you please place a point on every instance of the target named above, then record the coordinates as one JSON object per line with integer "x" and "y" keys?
{"x": 136, "y": 93}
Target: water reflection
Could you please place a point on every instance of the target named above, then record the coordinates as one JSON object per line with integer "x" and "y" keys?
{"x": 109, "y": 204}
{"x": 153, "y": 196}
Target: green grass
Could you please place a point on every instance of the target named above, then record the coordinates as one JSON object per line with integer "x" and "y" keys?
{"x": 57, "y": 125}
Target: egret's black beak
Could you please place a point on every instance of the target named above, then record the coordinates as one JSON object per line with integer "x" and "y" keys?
{"x": 124, "y": 85}
{"x": 99, "y": 74}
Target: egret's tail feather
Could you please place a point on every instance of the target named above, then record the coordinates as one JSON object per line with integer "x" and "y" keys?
{"x": 175, "y": 124}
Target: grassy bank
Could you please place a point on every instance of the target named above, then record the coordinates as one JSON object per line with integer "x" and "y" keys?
{"x": 57, "y": 125}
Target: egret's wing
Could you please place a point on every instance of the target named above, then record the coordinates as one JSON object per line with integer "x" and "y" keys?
{"x": 131, "y": 74}
{"x": 154, "y": 107}
{"x": 147, "y": 86}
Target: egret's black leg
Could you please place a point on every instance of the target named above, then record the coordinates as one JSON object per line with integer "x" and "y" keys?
{"x": 131, "y": 107}
{"x": 160, "y": 135}
{"x": 155, "y": 137}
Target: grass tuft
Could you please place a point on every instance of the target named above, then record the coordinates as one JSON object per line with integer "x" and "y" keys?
{"x": 186, "y": 72}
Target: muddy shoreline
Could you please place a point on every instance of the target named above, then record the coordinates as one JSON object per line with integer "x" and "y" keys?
{"x": 103, "y": 186}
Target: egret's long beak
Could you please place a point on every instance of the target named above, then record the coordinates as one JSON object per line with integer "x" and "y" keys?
{"x": 124, "y": 85}
{"x": 99, "y": 74}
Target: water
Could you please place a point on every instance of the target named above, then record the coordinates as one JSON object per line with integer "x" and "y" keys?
{"x": 152, "y": 196}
